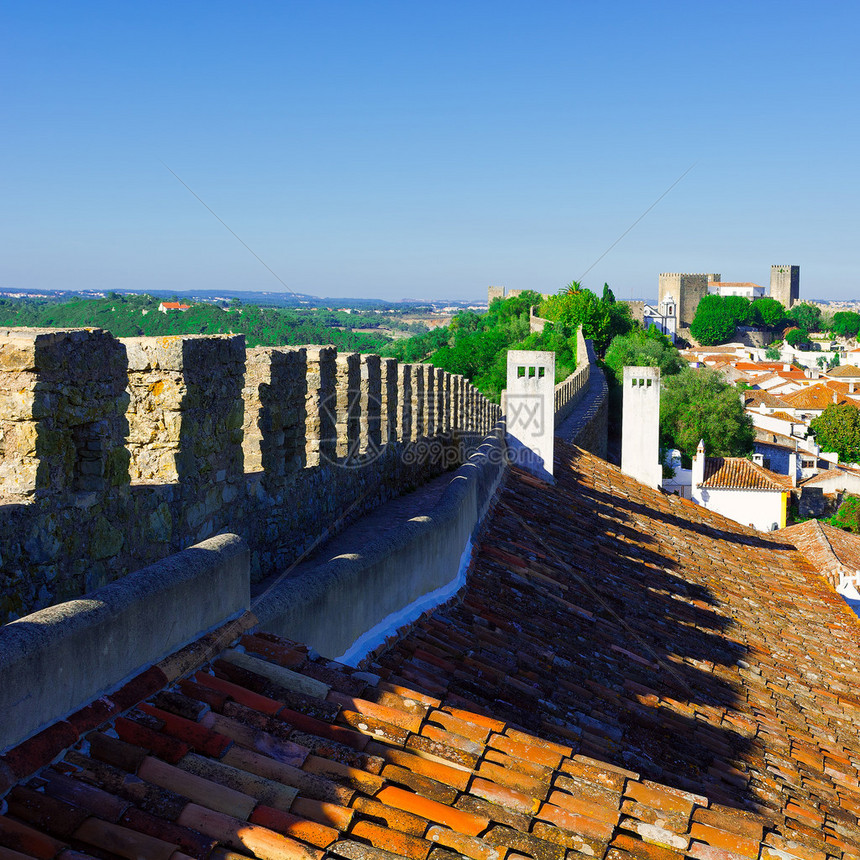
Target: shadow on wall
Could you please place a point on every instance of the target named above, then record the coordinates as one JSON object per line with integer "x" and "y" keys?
{"x": 114, "y": 454}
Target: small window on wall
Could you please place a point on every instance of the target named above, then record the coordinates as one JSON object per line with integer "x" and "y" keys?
{"x": 532, "y": 372}
{"x": 541, "y": 372}
{"x": 521, "y": 372}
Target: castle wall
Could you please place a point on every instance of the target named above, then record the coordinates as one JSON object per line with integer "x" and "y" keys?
{"x": 117, "y": 453}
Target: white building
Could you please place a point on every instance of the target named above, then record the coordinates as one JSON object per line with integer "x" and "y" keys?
{"x": 681, "y": 482}
{"x": 747, "y": 289}
{"x": 741, "y": 489}
{"x": 664, "y": 316}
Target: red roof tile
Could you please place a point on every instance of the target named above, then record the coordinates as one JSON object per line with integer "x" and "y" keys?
{"x": 701, "y": 699}
{"x": 738, "y": 473}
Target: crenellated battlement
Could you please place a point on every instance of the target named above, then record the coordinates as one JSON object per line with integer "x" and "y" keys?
{"x": 115, "y": 453}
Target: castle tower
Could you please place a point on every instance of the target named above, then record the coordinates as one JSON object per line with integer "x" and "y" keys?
{"x": 686, "y": 290}
{"x": 785, "y": 284}
{"x": 495, "y": 293}
{"x": 640, "y": 428}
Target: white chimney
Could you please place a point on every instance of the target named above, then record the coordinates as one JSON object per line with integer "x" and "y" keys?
{"x": 758, "y": 459}
{"x": 699, "y": 465}
{"x": 792, "y": 468}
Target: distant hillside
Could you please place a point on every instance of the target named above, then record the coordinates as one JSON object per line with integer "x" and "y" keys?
{"x": 136, "y": 315}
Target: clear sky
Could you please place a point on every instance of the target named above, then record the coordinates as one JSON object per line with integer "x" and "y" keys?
{"x": 414, "y": 149}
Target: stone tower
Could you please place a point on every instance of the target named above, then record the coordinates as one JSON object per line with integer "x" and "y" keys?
{"x": 686, "y": 290}
{"x": 495, "y": 293}
{"x": 785, "y": 284}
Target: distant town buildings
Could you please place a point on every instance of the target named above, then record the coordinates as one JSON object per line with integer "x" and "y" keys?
{"x": 166, "y": 307}
{"x": 684, "y": 291}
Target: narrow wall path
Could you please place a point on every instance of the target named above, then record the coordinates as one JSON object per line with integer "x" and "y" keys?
{"x": 370, "y": 527}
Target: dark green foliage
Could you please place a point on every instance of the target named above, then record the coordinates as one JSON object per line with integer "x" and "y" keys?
{"x": 133, "y": 315}
{"x": 848, "y": 515}
{"x": 643, "y": 349}
{"x": 768, "y": 312}
{"x": 476, "y": 346}
{"x": 838, "y": 429}
{"x": 806, "y": 316}
{"x": 698, "y": 404}
{"x": 797, "y": 337}
{"x": 771, "y": 353}
{"x": 716, "y": 320}
{"x": 601, "y": 320}
{"x": 846, "y": 323}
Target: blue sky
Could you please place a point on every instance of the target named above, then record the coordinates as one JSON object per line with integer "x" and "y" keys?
{"x": 406, "y": 150}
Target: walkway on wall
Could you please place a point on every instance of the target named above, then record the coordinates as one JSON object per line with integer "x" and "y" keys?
{"x": 587, "y": 407}
{"x": 355, "y": 537}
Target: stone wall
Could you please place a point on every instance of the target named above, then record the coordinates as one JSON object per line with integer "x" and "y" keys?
{"x": 587, "y": 422}
{"x": 117, "y": 453}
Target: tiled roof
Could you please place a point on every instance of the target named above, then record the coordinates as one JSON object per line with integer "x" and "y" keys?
{"x": 832, "y": 551}
{"x": 783, "y": 416}
{"x": 738, "y": 473}
{"x": 764, "y": 366}
{"x": 625, "y": 675}
{"x": 845, "y": 371}
{"x": 815, "y": 397}
{"x": 754, "y": 398}
{"x": 735, "y": 284}
{"x": 821, "y": 477}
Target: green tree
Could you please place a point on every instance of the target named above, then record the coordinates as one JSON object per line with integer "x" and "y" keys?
{"x": 771, "y": 353}
{"x": 600, "y": 320}
{"x": 643, "y": 349}
{"x": 715, "y": 321}
{"x": 608, "y": 295}
{"x": 846, "y": 323}
{"x": 698, "y": 404}
{"x": 848, "y": 515}
{"x": 838, "y": 429}
{"x": 797, "y": 338}
{"x": 768, "y": 312}
{"x": 806, "y": 316}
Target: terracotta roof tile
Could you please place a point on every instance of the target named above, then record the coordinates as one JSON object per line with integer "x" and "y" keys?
{"x": 816, "y": 397}
{"x": 738, "y": 473}
{"x": 701, "y": 700}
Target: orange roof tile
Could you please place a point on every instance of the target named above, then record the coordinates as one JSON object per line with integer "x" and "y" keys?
{"x": 738, "y": 473}
{"x": 755, "y": 397}
{"x": 623, "y": 670}
{"x": 844, "y": 371}
{"x": 817, "y": 396}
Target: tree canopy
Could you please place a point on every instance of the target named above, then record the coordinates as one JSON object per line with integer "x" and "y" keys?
{"x": 698, "y": 404}
{"x": 643, "y": 349}
{"x": 137, "y": 315}
{"x": 838, "y": 429}
{"x": 806, "y": 316}
{"x": 601, "y": 319}
{"x": 797, "y": 337}
{"x": 715, "y": 321}
{"x": 846, "y": 323}
{"x": 768, "y": 312}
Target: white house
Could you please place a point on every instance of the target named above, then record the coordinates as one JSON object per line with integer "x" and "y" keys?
{"x": 682, "y": 480}
{"x": 741, "y": 489}
{"x": 747, "y": 289}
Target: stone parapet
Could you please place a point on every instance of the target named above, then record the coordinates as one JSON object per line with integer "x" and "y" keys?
{"x": 117, "y": 453}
